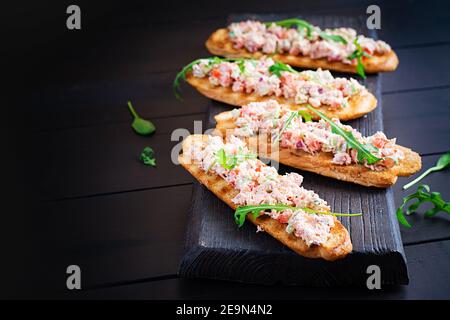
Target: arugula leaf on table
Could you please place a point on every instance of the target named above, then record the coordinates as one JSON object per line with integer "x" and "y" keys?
{"x": 422, "y": 195}
{"x": 364, "y": 151}
{"x": 443, "y": 162}
{"x": 140, "y": 126}
{"x": 148, "y": 157}
{"x": 241, "y": 212}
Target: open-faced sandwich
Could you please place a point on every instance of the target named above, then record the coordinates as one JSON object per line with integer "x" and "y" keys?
{"x": 298, "y": 43}
{"x": 276, "y": 204}
{"x": 240, "y": 81}
{"x": 326, "y": 147}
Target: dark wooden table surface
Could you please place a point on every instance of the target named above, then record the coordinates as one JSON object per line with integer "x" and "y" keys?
{"x": 92, "y": 203}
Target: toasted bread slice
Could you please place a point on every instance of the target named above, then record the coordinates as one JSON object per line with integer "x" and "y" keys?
{"x": 358, "y": 105}
{"x": 321, "y": 162}
{"x": 220, "y": 44}
{"x": 337, "y": 246}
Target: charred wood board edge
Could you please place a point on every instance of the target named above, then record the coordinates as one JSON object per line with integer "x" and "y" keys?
{"x": 216, "y": 249}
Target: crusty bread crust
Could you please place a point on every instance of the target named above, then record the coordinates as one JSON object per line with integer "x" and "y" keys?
{"x": 337, "y": 246}
{"x": 322, "y": 164}
{"x": 220, "y": 44}
{"x": 358, "y": 105}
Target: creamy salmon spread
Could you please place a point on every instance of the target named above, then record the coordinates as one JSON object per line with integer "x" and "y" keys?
{"x": 255, "y": 77}
{"x": 258, "y": 183}
{"x": 256, "y": 36}
{"x": 312, "y": 137}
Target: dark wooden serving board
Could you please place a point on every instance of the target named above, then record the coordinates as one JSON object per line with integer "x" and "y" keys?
{"x": 217, "y": 249}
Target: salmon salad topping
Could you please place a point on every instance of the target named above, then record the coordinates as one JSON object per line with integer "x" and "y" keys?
{"x": 312, "y": 137}
{"x": 258, "y": 183}
{"x": 257, "y": 36}
{"x": 318, "y": 88}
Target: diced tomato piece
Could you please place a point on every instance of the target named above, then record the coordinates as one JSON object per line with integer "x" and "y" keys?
{"x": 216, "y": 73}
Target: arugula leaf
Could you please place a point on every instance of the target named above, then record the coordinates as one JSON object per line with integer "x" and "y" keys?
{"x": 443, "y": 162}
{"x": 302, "y": 113}
{"x": 141, "y": 126}
{"x": 302, "y": 24}
{"x": 277, "y": 67}
{"x": 294, "y": 114}
{"x": 212, "y": 60}
{"x": 363, "y": 150}
{"x": 358, "y": 54}
{"x": 332, "y": 37}
{"x": 422, "y": 195}
{"x": 241, "y": 212}
{"x": 148, "y": 157}
{"x": 299, "y": 23}
{"x": 230, "y": 161}
{"x": 305, "y": 115}
{"x": 182, "y": 76}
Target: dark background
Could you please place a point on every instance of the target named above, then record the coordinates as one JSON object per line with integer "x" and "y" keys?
{"x": 74, "y": 191}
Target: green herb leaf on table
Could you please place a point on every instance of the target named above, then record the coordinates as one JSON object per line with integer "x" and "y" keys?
{"x": 422, "y": 195}
{"x": 442, "y": 163}
{"x": 140, "y": 126}
{"x": 364, "y": 151}
{"x": 241, "y": 212}
{"x": 148, "y": 157}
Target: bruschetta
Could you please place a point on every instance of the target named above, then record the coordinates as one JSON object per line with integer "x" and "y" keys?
{"x": 300, "y": 219}
{"x": 240, "y": 81}
{"x": 326, "y": 147}
{"x": 298, "y": 43}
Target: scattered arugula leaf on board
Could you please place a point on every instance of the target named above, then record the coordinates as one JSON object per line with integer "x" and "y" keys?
{"x": 241, "y": 212}
{"x": 442, "y": 163}
{"x": 358, "y": 54}
{"x": 422, "y": 195}
{"x": 364, "y": 151}
{"x": 230, "y": 161}
{"x": 148, "y": 157}
{"x": 302, "y": 24}
{"x": 140, "y": 126}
